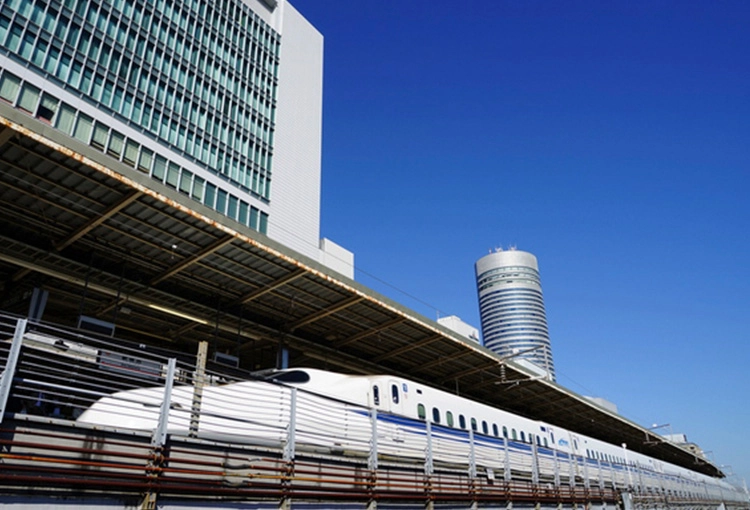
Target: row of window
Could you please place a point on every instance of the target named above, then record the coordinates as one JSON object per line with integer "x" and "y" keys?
{"x": 64, "y": 117}
{"x": 514, "y": 435}
{"x": 174, "y": 90}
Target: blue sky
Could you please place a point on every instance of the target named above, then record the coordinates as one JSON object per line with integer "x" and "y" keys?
{"x": 610, "y": 139}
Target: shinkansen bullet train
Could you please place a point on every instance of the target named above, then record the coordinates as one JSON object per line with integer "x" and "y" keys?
{"x": 341, "y": 412}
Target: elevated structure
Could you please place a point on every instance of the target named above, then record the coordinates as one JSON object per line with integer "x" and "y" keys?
{"x": 511, "y": 307}
{"x": 107, "y": 241}
{"x": 221, "y": 102}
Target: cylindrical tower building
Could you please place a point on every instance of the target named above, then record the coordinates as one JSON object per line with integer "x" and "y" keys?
{"x": 511, "y": 307}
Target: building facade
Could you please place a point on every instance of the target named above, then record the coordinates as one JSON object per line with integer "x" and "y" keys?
{"x": 511, "y": 308}
{"x": 220, "y": 100}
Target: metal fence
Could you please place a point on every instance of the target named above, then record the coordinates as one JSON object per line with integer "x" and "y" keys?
{"x": 167, "y": 399}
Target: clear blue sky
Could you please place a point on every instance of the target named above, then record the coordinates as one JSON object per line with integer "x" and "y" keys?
{"x": 610, "y": 139}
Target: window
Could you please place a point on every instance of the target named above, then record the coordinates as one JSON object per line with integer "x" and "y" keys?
{"x": 421, "y": 412}
{"x": 448, "y": 417}
{"x": 28, "y": 98}
{"x": 394, "y": 393}
{"x": 131, "y": 153}
{"x": 485, "y": 429}
{"x": 495, "y": 431}
{"x": 160, "y": 168}
{"x": 186, "y": 179}
{"x": 83, "y": 128}
{"x": 221, "y": 201}
{"x": 435, "y": 415}
{"x": 474, "y": 424}
{"x": 462, "y": 421}
{"x": 513, "y": 434}
{"x": 47, "y": 108}
{"x": 9, "y": 86}
{"x": 144, "y": 162}
{"x": 376, "y": 395}
{"x": 173, "y": 175}
{"x": 99, "y": 139}
{"x": 116, "y": 142}
{"x": 523, "y": 436}
{"x": 66, "y": 118}
{"x": 505, "y": 431}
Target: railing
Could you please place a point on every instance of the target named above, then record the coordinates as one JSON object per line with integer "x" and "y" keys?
{"x": 90, "y": 415}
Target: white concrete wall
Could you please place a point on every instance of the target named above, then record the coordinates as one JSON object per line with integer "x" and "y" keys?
{"x": 294, "y": 212}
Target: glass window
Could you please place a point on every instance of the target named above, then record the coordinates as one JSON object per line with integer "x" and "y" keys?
{"x": 232, "y": 207}
{"x": 485, "y": 429}
{"x": 160, "y": 168}
{"x": 173, "y": 175}
{"x": 83, "y": 128}
{"x": 221, "y": 201}
{"x": 263, "y": 225}
{"x": 9, "y": 87}
{"x": 65, "y": 119}
{"x": 495, "y": 431}
{"x": 505, "y": 431}
{"x": 116, "y": 142}
{"x": 99, "y": 140}
{"x": 435, "y": 415}
{"x": 523, "y": 436}
{"x": 244, "y": 209}
{"x": 131, "y": 153}
{"x": 421, "y": 412}
{"x": 254, "y": 220}
{"x": 28, "y": 98}
{"x": 449, "y": 418}
{"x": 394, "y": 393}
{"x": 513, "y": 434}
{"x": 210, "y": 198}
{"x": 186, "y": 180}
{"x": 144, "y": 162}
{"x": 14, "y": 37}
{"x": 198, "y": 187}
{"x": 474, "y": 424}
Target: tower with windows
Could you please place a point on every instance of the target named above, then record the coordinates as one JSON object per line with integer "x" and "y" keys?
{"x": 511, "y": 307}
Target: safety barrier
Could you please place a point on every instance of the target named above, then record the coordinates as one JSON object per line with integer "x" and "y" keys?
{"x": 86, "y": 416}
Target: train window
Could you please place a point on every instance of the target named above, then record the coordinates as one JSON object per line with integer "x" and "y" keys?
{"x": 436, "y": 415}
{"x": 538, "y": 441}
{"x": 474, "y": 424}
{"x": 552, "y": 435}
{"x": 421, "y": 412}
{"x": 513, "y": 434}
{"x": 485, "y": 429}
{"x": 546, "y": 445}
{"x": 376, "y": 395}
{"x": 449, "y": 418}
{"x": 495, "y": 430}
{"x": 394, "y": 393}
{"x": 505, "y": 431}
{"x": 462, "y": 421}
{"x": 523, "y": 436}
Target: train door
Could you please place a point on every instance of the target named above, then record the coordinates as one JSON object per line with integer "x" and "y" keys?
{"x": 396, "y": 406}
{"x": 577, "y": 458}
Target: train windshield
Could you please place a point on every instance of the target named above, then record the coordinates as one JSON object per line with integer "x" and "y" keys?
{"x": 290, "y": 377}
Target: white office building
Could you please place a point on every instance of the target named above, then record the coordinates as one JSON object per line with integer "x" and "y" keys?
{"x": 220, "y": 100}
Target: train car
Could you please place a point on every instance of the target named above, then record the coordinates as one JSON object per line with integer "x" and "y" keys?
{"x": 335, "y": 411}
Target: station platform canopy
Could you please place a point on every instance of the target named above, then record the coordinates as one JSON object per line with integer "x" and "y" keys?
{"x": 110, "y": 243}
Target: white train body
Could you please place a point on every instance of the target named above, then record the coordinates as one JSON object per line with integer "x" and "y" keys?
{"x": 334, "y": 411}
